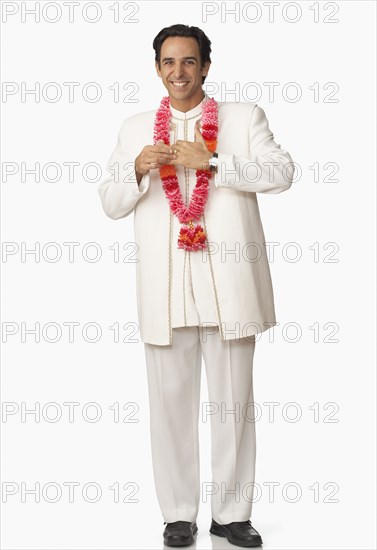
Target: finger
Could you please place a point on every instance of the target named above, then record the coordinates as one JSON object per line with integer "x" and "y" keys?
{"x": 163, "y": 157}
{"x": 162, "y": 148}
{"x": 160, "y": 145}
{"x": 198, "y": 133}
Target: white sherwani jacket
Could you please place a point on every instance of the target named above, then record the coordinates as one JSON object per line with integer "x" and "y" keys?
{"x": 233, "y": 287}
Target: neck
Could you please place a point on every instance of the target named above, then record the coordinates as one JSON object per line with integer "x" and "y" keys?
{"x": 185, "y": 105}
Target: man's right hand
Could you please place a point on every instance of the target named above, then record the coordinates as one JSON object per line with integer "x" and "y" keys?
{"x": 152, "y": 156}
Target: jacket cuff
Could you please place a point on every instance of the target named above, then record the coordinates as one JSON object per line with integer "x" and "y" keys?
{"x": 226, "y": 175}
{"x": 143, "y": 186}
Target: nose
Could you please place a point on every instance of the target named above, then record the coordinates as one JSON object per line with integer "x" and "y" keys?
{"x": 178, "y": 70}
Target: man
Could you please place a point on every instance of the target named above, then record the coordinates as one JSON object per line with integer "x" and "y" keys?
{"x": 203, "y": 281}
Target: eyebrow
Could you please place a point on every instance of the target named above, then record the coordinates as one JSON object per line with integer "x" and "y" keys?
{"x": 185, "y": 58}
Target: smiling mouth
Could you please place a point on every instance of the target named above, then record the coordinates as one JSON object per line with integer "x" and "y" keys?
{"x": 179, "y": 85}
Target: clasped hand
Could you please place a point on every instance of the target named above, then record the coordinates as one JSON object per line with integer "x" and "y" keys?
{"x": 189, "y": 154}
{"x": 192, "y": 154}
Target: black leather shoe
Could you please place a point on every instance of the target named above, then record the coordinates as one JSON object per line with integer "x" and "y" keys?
{"x": 240, "y": 533}
{"x": 180, "y": 533}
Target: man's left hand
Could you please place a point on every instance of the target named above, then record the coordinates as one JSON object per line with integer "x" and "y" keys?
{"x": 192, "y": 154}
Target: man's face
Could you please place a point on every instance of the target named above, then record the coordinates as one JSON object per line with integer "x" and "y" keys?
{"x": 180, "y": 69}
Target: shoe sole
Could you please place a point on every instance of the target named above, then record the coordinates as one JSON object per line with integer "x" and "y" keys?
{"x": 192, "y": 540}
{"x": 224, "y": 533}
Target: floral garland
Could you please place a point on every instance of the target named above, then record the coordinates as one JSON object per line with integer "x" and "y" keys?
{"x": 190, "y": 238}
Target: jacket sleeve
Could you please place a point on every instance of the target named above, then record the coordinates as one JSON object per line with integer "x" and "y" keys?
{"x": 267, "y": 168}
{"x": 120, "y": 192}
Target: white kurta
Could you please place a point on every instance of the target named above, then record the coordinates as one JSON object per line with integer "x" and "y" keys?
{"x": 229, "y": 284}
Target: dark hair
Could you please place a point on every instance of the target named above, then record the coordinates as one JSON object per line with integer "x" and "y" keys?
{"x": 188, "y": 32}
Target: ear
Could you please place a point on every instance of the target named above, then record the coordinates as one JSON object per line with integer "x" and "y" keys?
{"x": 205, "y": 68}
{"x": 157, "y": 69}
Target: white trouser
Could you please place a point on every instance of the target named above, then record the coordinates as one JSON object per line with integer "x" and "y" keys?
{"x": 174, "y": 398}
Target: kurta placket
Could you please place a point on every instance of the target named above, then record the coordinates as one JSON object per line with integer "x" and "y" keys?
{"x": 193, "y": 299}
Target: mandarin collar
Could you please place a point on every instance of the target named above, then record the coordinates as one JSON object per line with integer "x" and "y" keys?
{"x": 192, "y": 112}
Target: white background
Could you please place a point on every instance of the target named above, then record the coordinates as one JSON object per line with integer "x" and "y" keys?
{"x": 334, "y": 369}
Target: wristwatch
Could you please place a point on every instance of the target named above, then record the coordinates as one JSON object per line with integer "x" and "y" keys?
{"x": 213, "y": 162}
